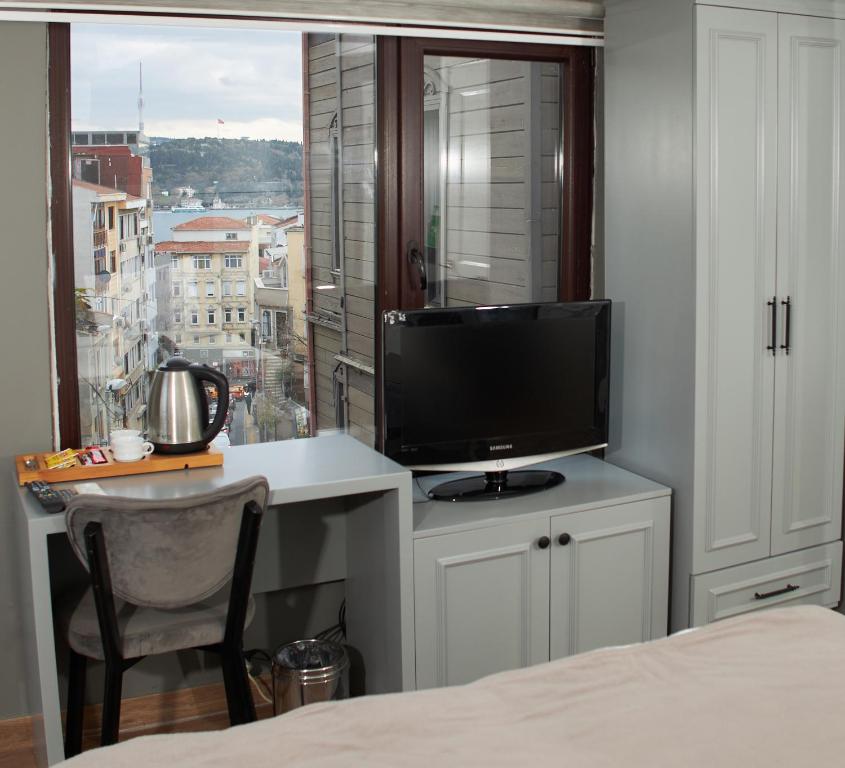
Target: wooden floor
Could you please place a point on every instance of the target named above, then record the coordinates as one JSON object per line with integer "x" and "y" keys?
{"x": 191, "y": 709}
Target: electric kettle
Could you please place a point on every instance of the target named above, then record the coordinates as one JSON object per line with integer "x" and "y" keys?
{"x": 177, "y": 408}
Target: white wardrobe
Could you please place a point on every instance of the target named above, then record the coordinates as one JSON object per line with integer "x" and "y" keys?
{"x": 724, "y": 257}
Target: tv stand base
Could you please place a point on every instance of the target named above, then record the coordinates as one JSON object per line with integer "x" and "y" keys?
{"x": 496, "y": 485}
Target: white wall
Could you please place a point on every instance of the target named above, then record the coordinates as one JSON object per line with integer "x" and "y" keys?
{"x": 25, "y": 403}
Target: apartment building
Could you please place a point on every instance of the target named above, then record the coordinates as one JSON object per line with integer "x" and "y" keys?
{"x": 213, "y": 262}
{"x": 111, "y": 259}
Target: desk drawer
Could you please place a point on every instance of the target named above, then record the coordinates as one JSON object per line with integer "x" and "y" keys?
{"x": 810, "y": 576}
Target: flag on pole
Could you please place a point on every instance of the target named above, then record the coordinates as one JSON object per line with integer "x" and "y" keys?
{"x": 220, "y": 122}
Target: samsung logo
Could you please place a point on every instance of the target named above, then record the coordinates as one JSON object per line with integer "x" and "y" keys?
{"x": 501, "y": 447}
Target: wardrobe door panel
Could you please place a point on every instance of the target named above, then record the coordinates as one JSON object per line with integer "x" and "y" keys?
{"x": 736, "y": 188}
{"x": 810, "y": 385}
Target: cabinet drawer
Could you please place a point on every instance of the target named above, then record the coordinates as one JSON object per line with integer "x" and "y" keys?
{"x": 811, "y": 576}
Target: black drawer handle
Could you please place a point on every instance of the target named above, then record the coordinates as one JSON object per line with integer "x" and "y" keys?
{"x": 543, "y": 542}
{"x": 785, "y": 590}
{"x": 564, "y": 539}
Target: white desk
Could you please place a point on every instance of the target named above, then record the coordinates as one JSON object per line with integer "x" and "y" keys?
{"x": 376, "y": 497}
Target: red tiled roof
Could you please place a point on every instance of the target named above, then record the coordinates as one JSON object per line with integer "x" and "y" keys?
{"x": 267, "y": 219}
{"x": 212, "y": 222}
{"x": 203, "y": 246}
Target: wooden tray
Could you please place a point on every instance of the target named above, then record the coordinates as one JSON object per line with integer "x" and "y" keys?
{"x": 155, "y": 462}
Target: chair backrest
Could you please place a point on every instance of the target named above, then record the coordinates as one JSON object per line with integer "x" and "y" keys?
{"x": 168, "y": 553}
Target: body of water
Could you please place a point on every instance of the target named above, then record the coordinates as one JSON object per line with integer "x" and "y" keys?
{"x": 164, "y": 221}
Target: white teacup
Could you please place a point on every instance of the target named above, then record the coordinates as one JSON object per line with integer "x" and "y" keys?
{"x": 130, "y": 448}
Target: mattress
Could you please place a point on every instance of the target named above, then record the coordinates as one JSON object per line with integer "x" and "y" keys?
{"x": 766, "y": 689}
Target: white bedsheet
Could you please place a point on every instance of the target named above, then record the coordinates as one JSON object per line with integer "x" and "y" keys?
{"x": 766, "y": 689}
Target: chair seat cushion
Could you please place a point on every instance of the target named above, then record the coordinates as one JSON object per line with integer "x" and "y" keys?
{"x": 147, "y": 631}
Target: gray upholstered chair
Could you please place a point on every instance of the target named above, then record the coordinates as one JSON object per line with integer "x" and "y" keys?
{"x": 165, "y": 576}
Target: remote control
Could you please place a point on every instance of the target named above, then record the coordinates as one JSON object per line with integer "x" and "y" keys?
{"x": 48, "y": 497}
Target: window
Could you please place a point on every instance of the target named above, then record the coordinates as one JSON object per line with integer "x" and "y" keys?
{"x": 212, "y": 339}
{"x": 265, "y": 324}
{"x": 209, "y": 288}
{"x": 211, "y": 316}
{"x": 228, "y": 338}
{"x": 196, "y": 339}
{"x": 178, "y": 338}
{"x": 337, "y": 217}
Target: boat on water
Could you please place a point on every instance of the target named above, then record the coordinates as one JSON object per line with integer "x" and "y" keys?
{"x": 190, "y": 205}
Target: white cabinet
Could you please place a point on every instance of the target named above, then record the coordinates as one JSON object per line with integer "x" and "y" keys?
{"x": 481, "y": 602}
{"x": 724, "y": 251}
{"x": 504, "y": 584}
{"x": 607, "y": 571}
{"x": 810, "y": 380}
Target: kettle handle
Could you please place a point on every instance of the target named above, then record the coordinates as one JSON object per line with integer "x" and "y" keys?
{"x": 205, "y": 373}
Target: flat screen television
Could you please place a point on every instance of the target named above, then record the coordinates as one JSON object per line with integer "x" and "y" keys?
{"x": 493, "y": 389}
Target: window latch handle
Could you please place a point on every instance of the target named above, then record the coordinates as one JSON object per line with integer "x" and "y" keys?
{"x": 415, "y": 258}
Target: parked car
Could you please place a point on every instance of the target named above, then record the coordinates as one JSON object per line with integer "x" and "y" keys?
{"x": 237, "y": 391}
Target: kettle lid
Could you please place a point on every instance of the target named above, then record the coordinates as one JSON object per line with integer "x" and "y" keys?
{"x": 175, "y": 364}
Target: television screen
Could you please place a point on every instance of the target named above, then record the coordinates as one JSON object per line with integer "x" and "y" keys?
{"x": 475, "y": 384}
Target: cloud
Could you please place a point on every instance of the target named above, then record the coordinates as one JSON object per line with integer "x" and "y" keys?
{"x": 192, "y": 76}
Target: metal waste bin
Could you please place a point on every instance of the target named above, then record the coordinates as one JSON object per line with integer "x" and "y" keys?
{"x": 308, "y": 671}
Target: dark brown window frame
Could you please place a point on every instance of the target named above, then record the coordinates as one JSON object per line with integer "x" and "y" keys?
{"x": 61, "y": 229}
{"x": 399, "y": 130}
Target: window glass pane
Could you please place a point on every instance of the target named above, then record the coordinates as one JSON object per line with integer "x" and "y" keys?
{"x": 492, "y": 196}
{"x": 191, "y": 191}
{"x": 343, "y": 253}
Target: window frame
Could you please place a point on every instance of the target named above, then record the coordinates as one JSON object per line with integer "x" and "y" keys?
{"x": 576, "y": 257}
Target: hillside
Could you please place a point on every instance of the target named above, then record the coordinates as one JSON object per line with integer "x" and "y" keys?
{"x": 241, "y": 171}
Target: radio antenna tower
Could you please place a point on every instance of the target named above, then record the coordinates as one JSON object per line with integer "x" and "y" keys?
{"x": 140, "y": 97}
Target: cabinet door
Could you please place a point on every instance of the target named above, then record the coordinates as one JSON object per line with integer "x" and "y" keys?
{"x": 810, "y": 386}
{"x": 610, "y": 579}
{"x": 736, "y": 205}
{"x": 481, "y": 602}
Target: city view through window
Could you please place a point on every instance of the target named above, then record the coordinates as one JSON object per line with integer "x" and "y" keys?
{"x": 189, "y": 216}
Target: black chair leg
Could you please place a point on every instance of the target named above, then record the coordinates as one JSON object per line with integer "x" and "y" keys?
{"x": 75, "y": 704}
{"x": 111, "y": 703}
{"x": 238, "y": 693}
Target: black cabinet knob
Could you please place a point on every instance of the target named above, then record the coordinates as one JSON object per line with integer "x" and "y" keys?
{"x": 564, "y": 539}
{"x": 543, "y": 542}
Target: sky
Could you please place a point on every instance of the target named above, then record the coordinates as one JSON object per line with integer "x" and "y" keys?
{"x": 193, "y": 76}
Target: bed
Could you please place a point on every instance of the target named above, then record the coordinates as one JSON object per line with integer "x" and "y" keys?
{"x": 767, "y": 689}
